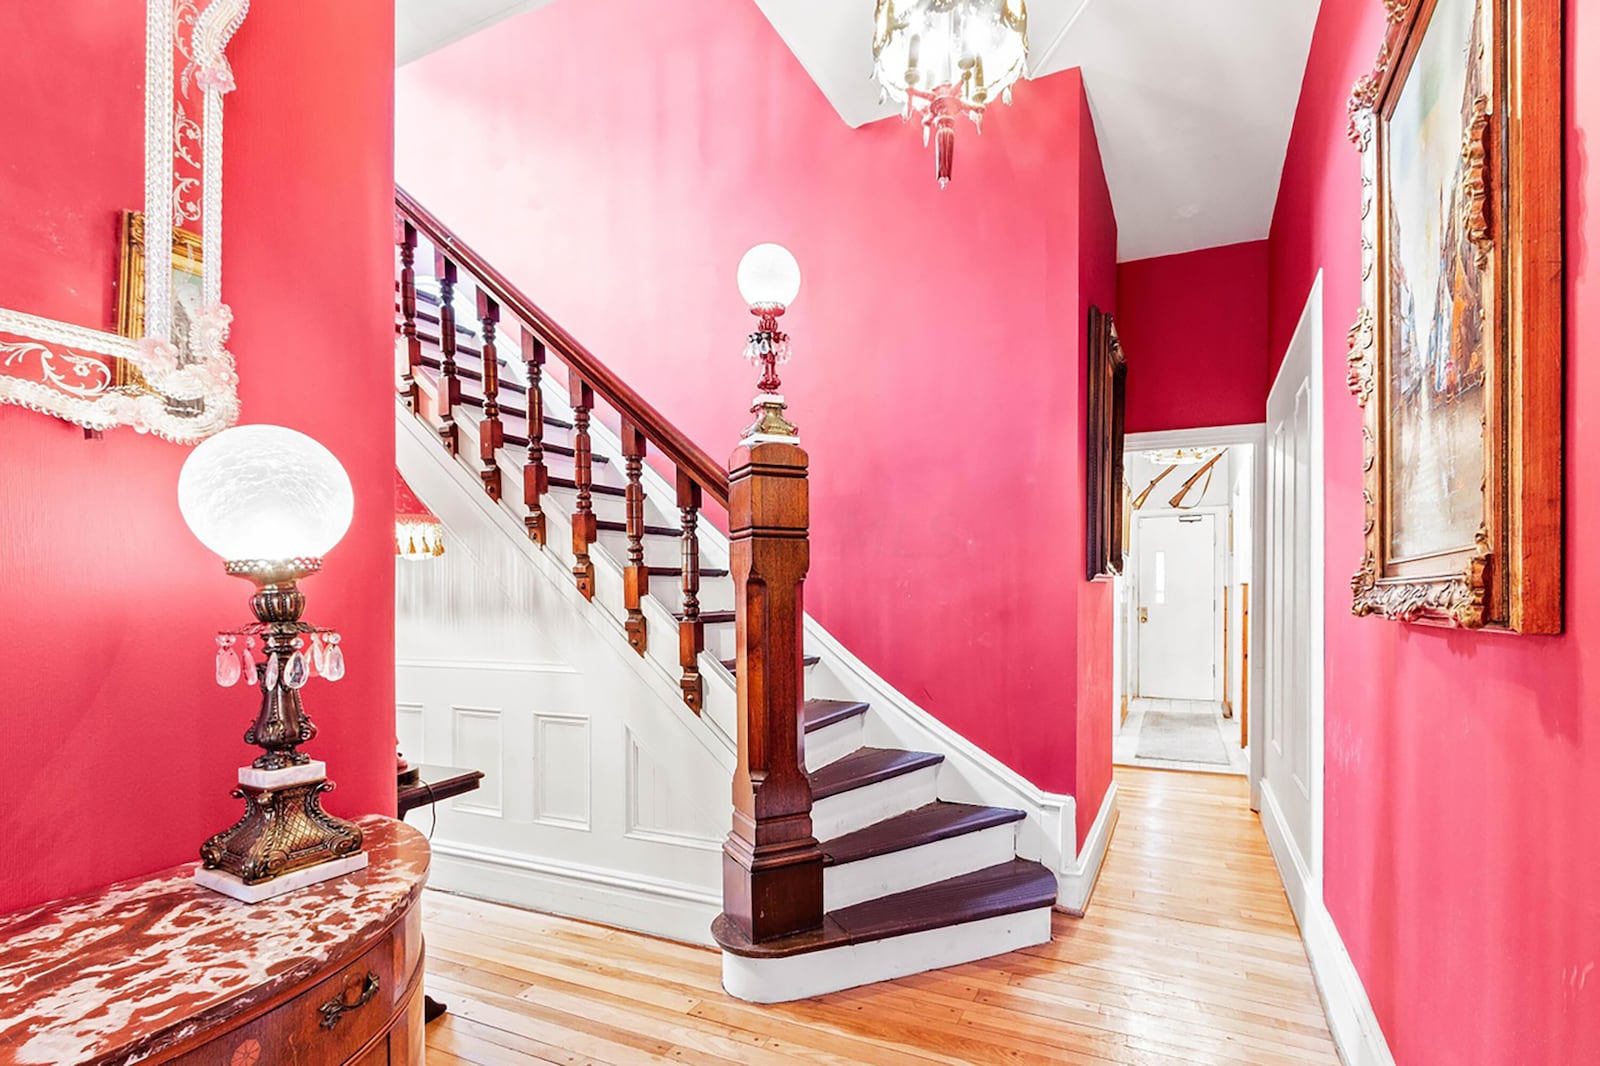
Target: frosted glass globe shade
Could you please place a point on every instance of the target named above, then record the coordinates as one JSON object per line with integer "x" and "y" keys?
{"x": 265, "y": 492}
{"x": 768, "y": 274}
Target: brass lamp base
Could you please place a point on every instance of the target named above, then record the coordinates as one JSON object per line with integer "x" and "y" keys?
{"x": 284, "y": 831}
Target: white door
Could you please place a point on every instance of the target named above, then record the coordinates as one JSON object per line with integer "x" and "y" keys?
{"x": 1291, "y": 770}
{"x": 1177, "y": 607}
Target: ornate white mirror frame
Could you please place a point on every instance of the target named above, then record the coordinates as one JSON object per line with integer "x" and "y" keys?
{"x": 98, "y": 379}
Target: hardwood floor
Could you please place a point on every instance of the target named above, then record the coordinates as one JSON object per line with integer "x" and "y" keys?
{"x": 1189, "y": 955}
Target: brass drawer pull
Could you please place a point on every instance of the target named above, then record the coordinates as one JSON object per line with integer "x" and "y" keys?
{"x": 336, "y": 1007}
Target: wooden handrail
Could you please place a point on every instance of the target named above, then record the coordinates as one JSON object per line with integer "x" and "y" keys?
{"x": 689, "y": 458}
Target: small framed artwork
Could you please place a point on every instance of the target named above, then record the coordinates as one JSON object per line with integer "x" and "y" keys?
{"x": 188, "y": 272}
{"x": 1104, "y": 510}
{"x": 1456, "y": 355}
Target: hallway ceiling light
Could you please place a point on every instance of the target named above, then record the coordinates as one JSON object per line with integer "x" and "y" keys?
{"x": 948, "y": 58}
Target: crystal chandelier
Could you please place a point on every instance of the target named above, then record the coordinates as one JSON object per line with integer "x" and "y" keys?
{"x": 948, "y": 58}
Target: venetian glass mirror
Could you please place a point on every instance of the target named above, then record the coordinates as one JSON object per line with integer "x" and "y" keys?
{"x": 111, "y": 310}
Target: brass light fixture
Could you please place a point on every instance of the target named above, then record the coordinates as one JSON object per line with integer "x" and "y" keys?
{"x": 271, "y": 501}
{"x": 947, "y": 58}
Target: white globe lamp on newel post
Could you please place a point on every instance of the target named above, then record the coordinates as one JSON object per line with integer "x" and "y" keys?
{"x": 769, "y": 281}
{"x": 271, "y": 502}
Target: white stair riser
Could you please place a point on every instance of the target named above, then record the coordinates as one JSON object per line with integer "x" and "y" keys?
{"x": 658, "y": 551}
{"x": 833, "y": 742}
{"x": 716, "y": 593}
{"x": 860, "y": 807}
{"x": 901, "y": 871}
{"x": 820, "y": 972}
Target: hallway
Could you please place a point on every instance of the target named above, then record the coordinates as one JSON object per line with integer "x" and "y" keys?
{"x": 1189, "y": 955}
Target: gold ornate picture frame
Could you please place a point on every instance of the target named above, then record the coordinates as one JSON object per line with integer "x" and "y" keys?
{"x": 1456, "y": 354}
{"x": 188, "y": 276}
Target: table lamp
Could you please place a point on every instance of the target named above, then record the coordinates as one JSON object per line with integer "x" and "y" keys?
{"x": 271, "y": 501}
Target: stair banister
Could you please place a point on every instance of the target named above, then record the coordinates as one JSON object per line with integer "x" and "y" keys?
{"x": 666, "y": 437}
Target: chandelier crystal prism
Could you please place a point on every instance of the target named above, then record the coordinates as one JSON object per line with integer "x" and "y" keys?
{"x": 946, "y": 58}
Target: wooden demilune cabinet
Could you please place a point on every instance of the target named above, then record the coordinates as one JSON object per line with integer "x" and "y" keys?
{"x": 161, "y": 970}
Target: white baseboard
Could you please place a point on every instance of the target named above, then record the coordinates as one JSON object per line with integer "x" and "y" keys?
{"x": 1078, "y": 880}
{"x": 1356, "y": 1032}
{"x": 623, "y": 899}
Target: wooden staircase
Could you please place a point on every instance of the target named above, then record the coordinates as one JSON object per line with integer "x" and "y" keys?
{"x": 844, "y": 865}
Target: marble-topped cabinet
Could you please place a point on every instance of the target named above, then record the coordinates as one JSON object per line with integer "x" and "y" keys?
{"x": 158, "y": 969}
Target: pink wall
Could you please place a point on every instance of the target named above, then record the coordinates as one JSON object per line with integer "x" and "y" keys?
{"x": 1463, "y": 771}
{"x": 1097, "y": 287}
{"x": 63, "y": 196}
{"x": 121, "y": 749}
{"x": 937, "y": 335}
{"x": 1195, "y": 329}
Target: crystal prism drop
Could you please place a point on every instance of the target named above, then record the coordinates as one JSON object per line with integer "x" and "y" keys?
{"x": 227, "y": 667}
{"x": 298, "y": 672}
{"x": 272, "y": 671}
{"x": 247, "y": 664}
{"x": 319, "y": 655}
{"x": 335, "y": 665}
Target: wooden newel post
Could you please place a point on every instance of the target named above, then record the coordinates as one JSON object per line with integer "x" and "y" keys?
{"x": 771, "y": 865}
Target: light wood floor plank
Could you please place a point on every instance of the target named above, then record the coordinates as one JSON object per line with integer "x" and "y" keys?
{"x": 1189, "y": 955}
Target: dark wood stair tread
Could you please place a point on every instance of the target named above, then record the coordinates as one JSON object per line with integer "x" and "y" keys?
{"x": 925, "y": 825}
{"x": 818, "y": 714}
{"x": 1018, "y": 885}
{"x": 1009, "y": 888}
{"x": 867, "y": 766}
{"x": 597, "y": 488}
{"x": 732, "y": 665}
{"x": 673, "y": 571}
{"x": 711, "y": 618}
{"x": 611, "y": 525}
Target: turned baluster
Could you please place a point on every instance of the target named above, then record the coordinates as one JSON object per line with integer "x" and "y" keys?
{"x": 635, "y": 577}
{"x": 535, "y": 476}
{"x": 492, "y": 435}
{"x": 691, "y": 631}
{"x": 449, "y": 384}
{"x": 583, "y": 521}
{"x": 408, "y": 311}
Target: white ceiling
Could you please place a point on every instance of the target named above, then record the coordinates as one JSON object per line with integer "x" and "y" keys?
{"x": 421, "y": 26}
{"x": 1193, "y": 100}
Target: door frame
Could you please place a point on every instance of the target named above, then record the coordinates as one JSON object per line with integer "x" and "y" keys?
{"x": 1307, "y": 894}
{"x": 1255, "y": 435}
{"x": 1219, "y": 553}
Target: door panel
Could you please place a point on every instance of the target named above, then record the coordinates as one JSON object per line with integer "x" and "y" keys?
{"x": 1177, "y": 607}
{"x": 1288, "y": 632}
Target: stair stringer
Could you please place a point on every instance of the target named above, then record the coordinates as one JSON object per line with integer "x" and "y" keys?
{"x": 602, "y": 857}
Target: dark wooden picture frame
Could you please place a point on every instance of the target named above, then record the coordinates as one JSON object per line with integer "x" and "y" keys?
{"x": 1104, "y": 515}
{"x": 1476, "y": 357}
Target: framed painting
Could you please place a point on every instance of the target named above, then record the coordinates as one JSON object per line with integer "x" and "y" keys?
{"x": 1104, "y": 505}
{"x": 1456, "y": 355}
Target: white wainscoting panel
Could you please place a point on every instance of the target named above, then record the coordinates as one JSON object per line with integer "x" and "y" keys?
{"x": 611, "y": 797}
{"x": 477, "y": 741}
{"x": 561, "y": 770}
{"x": 409, "y": 734}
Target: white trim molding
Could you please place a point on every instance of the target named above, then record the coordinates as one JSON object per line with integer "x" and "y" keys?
{"x": 1078, "y": 880}
{"x": 676, "y": 910}
{"x": 1356, "y": 1032}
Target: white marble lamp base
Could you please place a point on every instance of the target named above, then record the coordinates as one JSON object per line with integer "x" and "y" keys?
{"x": 231, "y": 885}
